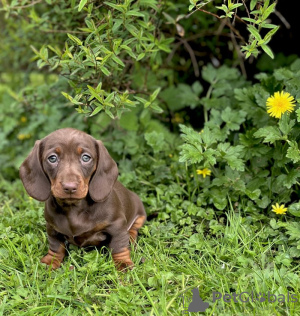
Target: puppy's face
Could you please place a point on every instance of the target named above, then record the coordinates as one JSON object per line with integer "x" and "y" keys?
{"x": 69, "y": 160}
{"x": 69, "y": 163}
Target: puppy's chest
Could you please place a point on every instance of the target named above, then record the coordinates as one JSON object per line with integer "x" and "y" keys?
{"x": 81, "y": 231}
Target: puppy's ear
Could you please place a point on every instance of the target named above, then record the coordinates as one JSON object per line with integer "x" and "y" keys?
{"x": 105, "y": 175}
{"x": 33, "y": 176}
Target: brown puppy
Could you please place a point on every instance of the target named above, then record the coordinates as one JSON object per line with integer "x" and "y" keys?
{"x": 85, "y": 204}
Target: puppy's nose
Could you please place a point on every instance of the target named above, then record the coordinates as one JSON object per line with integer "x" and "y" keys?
{"x": 70, "y": 187}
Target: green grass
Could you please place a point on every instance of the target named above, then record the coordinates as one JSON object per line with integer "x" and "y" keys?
{"x": 167, "y": 263}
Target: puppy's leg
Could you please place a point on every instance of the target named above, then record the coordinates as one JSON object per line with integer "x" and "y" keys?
{"x": 133, "y": 230}
{"x": 119, "y": 245}
{"x": 57, "y": 250}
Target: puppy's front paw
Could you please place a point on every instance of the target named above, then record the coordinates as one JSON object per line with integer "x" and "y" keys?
{"x": 53, "y": 258}
{"x": 122, "y": 260}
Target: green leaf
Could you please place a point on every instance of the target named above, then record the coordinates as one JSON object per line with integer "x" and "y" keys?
{"x": 269, "y": 133}
{"x": 95, "y": 94}
{"x": 293, "y": 151}
{"x": 267, "y": 50}
{"x": 156, "y": 108}
{"x": 73, "y": 100}
{"x": 134, "y": 13}
{"x": 74, "y": 39}
{"x": 232, "y": 157}
{"x": 142, "y": 100}
{"x": 108, "y": 112}
{"x": 253, "y": 195}
{"x": 96, "y": 110}
{"x": 154, "y": 94}
{"x": 249, "y": 20}
{"x": 118, "y": 7}
{"x": 271, "y": 33}
{"x": 117, "y": 60}
{"x": 298, "y": 113}
{"x": 291, "y": 178}
{"x": 156, "y": 141}
{"x": 105, "y": 71}
{"x": 254, "y": 32}
{"x": 253, "y": 4}
{"x": 268, "y": 11}
{"x": 233, "y": 118}
{"x": 294, "y": 209}
{"x": 286, "y": 124}
{"x": 234, "y": 6}
{"x": 81, "y": 4}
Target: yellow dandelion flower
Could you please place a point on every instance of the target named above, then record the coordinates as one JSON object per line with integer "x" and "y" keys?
{"x": 279, "y": 103}
{"x": 23, "y": 136}
{"x": 279, "y": 209}
{"x": 204, "y": 172}
{"x": 177, "y": 119}
{"x": 23, "y": 119}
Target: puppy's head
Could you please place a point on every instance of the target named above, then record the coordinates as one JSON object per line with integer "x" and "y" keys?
{"x": 69, "y": 164}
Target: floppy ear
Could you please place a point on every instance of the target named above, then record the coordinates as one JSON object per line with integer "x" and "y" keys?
{"x": 105, "y": 175}
{"x": 33, "y": 176}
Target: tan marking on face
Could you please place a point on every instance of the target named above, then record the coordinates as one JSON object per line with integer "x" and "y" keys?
{"x": 58, "y": 150}
{"x": 79, "y": 150}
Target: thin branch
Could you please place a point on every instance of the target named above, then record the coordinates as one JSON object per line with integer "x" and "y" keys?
{"x": 239, "y": 54}
{"x": 193, "y": 58}
{"x": 283, "y": 20}
{"x": 246, "y": 8}
{"x": 62, "y": 31}
{"x": 27, "y": 5}
{"x": 234, "y": 30}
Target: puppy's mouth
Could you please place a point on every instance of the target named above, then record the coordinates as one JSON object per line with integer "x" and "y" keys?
{"x": 63, "y": 196}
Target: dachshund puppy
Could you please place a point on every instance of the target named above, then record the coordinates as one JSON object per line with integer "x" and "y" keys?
{"x": 84, "y": 203}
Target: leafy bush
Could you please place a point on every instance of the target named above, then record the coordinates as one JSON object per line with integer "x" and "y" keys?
{"x": 140, "y": 73}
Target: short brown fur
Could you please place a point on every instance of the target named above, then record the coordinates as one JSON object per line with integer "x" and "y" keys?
{"x": 84, "y": 203}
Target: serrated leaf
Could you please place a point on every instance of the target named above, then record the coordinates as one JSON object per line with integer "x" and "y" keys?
{"x": 190, "y": 154}
{"x": 269, "y": 133}
{"x": 291, "y": 178}
{"x": 293, "y": 151}
{"x": 286, "y": 124}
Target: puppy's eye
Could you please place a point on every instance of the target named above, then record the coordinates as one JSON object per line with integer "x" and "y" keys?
{"x": 52, "y": 159}
{"x": 85, "y": 158}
